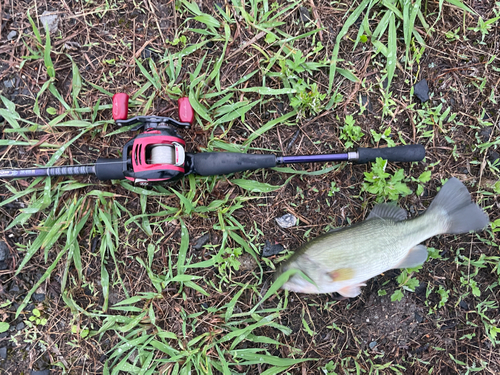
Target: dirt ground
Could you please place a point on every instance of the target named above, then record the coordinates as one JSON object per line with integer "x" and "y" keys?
{"x": 421, "y": 333}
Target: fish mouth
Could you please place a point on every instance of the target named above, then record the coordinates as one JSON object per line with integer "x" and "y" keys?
{"x": 298, "y": 284}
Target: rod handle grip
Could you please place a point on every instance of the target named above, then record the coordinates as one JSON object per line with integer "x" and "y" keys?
{"x": 406, "y": 153}
{"x": 219, "y": 163}
{"x": 109, "y": 169}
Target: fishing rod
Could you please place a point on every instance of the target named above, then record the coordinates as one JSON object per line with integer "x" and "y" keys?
{"x": 158, "y": 154}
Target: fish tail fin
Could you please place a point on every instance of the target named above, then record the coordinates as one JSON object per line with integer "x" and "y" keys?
{"x": 459, "y": 214}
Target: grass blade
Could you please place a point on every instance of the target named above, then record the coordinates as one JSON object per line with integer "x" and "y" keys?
{"x": 181, "y": 259}
{"x": 392, "y": 54}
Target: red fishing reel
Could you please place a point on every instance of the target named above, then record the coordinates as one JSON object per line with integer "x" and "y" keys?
{"x": 157, "y": 155}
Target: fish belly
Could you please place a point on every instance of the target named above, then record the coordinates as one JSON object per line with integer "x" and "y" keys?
{"x": 369, "y": 249}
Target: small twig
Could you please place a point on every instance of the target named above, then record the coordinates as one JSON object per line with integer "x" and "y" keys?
{"x": 318, "y": 19}
{"x": 483, "y": 163}
{"x": 250, "y": 42}
{"x": 175, "y": 15}
{"x": 53, "y": 348}
{"x": 1, "y": 19}
{"x": 156, "y": 20}
{"x": 297, "y": 215}
{"x": 139, "y": 51}
{"x": 357, "y": 85}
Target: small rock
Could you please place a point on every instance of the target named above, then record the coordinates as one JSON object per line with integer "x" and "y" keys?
{"x": 412, "y": 209}
{"x": 366, "y": 103}
{"x": 50, "y": 20}
{"x": 204, "y": 305}
{"x": 304, "y": 14}
{"x": 464, "y": 305}
{"x": 493, "y": 156}
{"x": 202, "y": 241}
{"x": 421, "y": 90}
{"x": 4, "y": 251}
{"x": 12, "y": 35}
{"x": 114, "y": 298}
{"x": 485, "y": 133}
{"x": 14, "y": 288}
{"x": 4, "y": 335}
{"x": 270, "y": 250}
{"x": 38, "y": 297}
{"x": 280, "y": 107}
{"x": 372, "y": 344}
{"x": 421, "y": 349}
{"x": 8, "y": 83}
{"x": 20, "y": 326}
{"x": 418, "y": 318}
{"x": 421, "y": 289}
{"x": 3, "y": 353}
{"x": 210, "y": 44}
{"x": 43, "y": 372}
{"x": 451, "y": 325}
{"x": 132, "y": 356}
{"x": 146, "y": 53}
{"x": 3, "y": 266}
{"x": 286, "y": 221}
{"x": 247, "y": 262}
{"x": 72, "y": 46}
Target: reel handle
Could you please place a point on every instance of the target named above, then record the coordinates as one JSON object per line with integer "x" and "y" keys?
{"x": 120, "y": 108}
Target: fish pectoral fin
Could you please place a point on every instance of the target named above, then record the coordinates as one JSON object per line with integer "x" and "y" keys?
{"x": 351, "y": 291}
{"x": 387, "y": 211}
{"x": 342, "y": 274}
{"x": 416, "y": 256}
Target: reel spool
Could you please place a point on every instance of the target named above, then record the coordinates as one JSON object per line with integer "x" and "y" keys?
{"x": 162, "y": 154}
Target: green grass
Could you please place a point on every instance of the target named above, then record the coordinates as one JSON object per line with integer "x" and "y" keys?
{"x": 149, "y": 229}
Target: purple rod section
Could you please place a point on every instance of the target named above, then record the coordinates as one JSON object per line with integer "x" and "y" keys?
{"x": 311, "y": 158}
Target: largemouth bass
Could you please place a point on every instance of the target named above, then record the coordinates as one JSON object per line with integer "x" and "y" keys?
{"x": 342, "y": 260}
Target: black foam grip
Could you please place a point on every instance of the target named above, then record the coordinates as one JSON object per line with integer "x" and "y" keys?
{"x": 109, "y": 169}
{"x": 217, "y": 163}
{"x": 400, "y": 153}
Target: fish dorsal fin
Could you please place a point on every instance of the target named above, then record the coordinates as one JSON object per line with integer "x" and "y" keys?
{"x": 387, "y": 211}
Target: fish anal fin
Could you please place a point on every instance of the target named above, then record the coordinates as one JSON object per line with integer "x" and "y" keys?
{"x": 387, "y": 211}
{"x": 342, "y": 274}
{"x": 415, "y": 257}
{"x": 351, "y": 291}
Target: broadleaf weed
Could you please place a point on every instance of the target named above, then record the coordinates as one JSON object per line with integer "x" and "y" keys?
{"x": 351, "y": 133}
{"x": 383, "y": 184}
